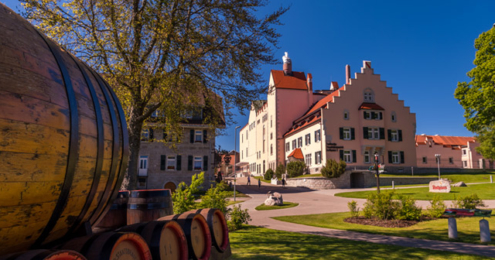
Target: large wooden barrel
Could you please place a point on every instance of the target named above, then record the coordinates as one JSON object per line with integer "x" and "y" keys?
{"x": 63, "y": 141}
{"x": 44, "y": 254}
{"x": 111, "y": 246}
{"x": 148, "y": 205}
{"x": 197, "y": 234}
{"x": 218, "y": 227}
{"x": 117, "y": 215}
{"x": 166, "y": 239}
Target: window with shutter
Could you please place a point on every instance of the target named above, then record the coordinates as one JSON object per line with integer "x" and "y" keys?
{"x": 353, "y": 136}
{"x": 400, "y": 135}
{"x": 401, "y": 157}
{"x": 382, "y": 133}
{"x": 162, "y": 162}
{"x": 389, "y": 157}
{"x": 205, "y": 163}
{"x": 341, "y": 155}
{"x": 191, "y": 132}
{"x": 365, "y": 133}
{"x": 353, "y": 155}
{"x": 341, "y": 133}
{"x": 179, "y": 162}
{"x": 190, "y": 163}
{"x": 205, "y": 134}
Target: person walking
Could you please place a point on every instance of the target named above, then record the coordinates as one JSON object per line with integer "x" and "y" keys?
{"x": 249, "y": 180}
{"x": 259, "y": 183}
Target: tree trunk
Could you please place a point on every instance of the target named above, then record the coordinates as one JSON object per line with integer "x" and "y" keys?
{"x": 135, "y": 127}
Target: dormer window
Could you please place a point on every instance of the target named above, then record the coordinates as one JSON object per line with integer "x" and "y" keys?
{"x": 369, "y": 96}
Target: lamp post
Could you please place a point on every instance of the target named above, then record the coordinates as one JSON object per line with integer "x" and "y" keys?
{"x": 377, "y": 173}
{"x": 235, "y": 157}
{"x": 438, "y": 163}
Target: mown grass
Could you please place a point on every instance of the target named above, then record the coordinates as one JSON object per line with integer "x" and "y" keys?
{"x": 259, "y": 178}
{"x": 484, "y": 192}
{"x": 285, "y": 205}
{"x": 262, "y": 243}
{"x": 467, "y": 228}
{"x": 454, "y": 177}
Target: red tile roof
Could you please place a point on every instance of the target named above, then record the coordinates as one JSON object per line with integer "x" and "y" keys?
{"x": 448, "y": 141}
{"x": 323, "y": 102}
{"x": 297, "y": 153}
{"x": 370, "y": 106}
{"x": 303, "y": 124}
{"x": 296, "y": 81}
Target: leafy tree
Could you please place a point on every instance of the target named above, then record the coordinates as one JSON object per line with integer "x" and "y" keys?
{"x": 170, "y": 56}
{"x": 183, "y": 197}
{"x": 280, "y": 170}
{"x": 477, "y": 97}
{"x": 295, "y": 168}
{"x": 333, "y": 169}
{"x": 215, "y": 197}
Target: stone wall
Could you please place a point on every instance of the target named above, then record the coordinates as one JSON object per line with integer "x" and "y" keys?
{"x": 344, "y": 181}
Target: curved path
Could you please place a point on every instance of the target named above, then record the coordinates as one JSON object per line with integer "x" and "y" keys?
{"x": 324, "y": 201}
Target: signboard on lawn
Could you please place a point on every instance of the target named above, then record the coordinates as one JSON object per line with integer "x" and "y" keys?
{"x": 440, "y": 186}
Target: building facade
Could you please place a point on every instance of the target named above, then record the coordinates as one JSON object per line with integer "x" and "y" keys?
{"x": 454, "y": 151}
{"x": 350, "y": 123}
{"x": 165, "y": 161}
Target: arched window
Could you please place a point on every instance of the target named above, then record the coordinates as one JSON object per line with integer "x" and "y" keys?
{"x": 369, "y": 96}
{"x": 394, "y": 116}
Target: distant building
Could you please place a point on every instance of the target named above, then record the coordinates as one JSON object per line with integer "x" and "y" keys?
{"x": 162, "y": 166}
{"x": 226, "y": 163}
{"x": 454, "y": 151}
{"x": 350, "y": 123}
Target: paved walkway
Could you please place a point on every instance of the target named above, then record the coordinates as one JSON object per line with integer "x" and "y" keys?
{"x": 324, "y": 201}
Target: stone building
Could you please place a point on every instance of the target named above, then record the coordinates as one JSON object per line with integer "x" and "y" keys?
{"x": 163, "y": 166}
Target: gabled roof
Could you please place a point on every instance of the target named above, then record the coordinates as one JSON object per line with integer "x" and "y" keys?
{"x": 299, "y": 126}
{"x": 323, "y": 102}
{"x": 446, "y": 141}
{"x": 297, "y": 153}
{"x": 370, "y": 106}
{"x": 295, "y": 81}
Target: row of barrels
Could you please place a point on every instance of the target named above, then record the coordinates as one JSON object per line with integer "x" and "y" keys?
{"x": 198, "y": 234}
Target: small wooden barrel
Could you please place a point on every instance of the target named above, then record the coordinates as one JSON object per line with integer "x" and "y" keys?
{"x": 111, "y": 245}
{"x": 117, "y": 215}
{"x": 218, "y": 227}
{"x": 166, "y": 239}
{"x": 148, "y": 205}
{"x": 197, "y": 233}
{"x": 43, "y": 254}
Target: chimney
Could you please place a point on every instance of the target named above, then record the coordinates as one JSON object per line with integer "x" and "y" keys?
{"x": 347, "y": 74}
{"x": 309, "y": 80}
{"x": 334, "y": 85}
{"x": 287, "y": 64}
{"x": 366, "y": 64}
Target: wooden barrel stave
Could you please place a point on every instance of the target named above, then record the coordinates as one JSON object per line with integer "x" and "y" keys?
{"x": 218, "y": 227}
{"x": 111, "y": 245}
{"x": 116, "y": 217}
{"x": 148, "y": 205}
{"x": 36, "y": 114}
{"x": 44, "y": 254}
{"x": 197, "y": 233}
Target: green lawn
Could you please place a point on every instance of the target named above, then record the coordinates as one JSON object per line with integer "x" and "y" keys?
{"x": 257, "y": 178}
{"x": 467, "y": 228}
{"x": 484, "y": 192}
{"x": 261, "y": 243}
{"x": 309, "y": 175}
{"x": 284, "y": 206}
{"x": 454, "y": 177}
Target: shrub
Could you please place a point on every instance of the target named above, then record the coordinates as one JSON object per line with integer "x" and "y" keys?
{"x": 380, "y": 206}
{"x": 469, "y": 202}
{"x": 268, "y": 174}
{"x": 353, "y": 208}
{"x": 183, "y": 197}
{"x": 236, "y": 217}
{"x": 333, "y": 169}
{"x": 437, "y": 207}
{"x": 215, "y": 197}
{"x": 279, "y": 171}
{"x": 407, "y": 209}
{"x": 295, "y": 168}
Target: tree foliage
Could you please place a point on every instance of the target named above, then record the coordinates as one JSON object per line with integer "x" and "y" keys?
{"x": 295, "y": 168}
{"x": 183, "y": 197}
{"x": 170, "y": 55}
{"x": 280, "y": 170}
{"x": 268, "y": 174}
{"x": 477, "y": 97}
{"x": 215, "y": 197}
{"x": 333, "y": 169}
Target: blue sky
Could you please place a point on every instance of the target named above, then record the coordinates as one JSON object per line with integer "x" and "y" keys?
{"x": 420, "y": 48}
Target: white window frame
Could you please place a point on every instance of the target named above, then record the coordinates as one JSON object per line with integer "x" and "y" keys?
{"x": 369, "y": 95}
{"x": 347, "y": 156}
{"x": 318, "y": 157}
{"x": 198, "y": 136}
{"x": 171, "y": 163}
{"x": 287, "y": 146}
{"x": 367, "y": 156}
{"x": 317, "y": 136}
{"x": 308, "y": 139}
{"x": 308, "y": 159}
{"x": 198, "y": 159}
{"x": 395, "y": 157}
{"x": 347, "y": 133}
{"x": 394, "y": 135}
{"x": 425, "y": 160}
{"x": 373, "y": 133}
{"x": 299, "y": 142}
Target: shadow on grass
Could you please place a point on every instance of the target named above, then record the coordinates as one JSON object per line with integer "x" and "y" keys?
{"x": 261, "y": 243}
